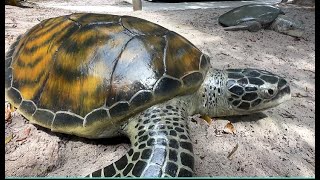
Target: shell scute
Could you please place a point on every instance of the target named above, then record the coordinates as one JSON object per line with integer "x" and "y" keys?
{"x": 141, "y": 98}
{"x": 123, "y": 92}
{"x": 64, "y": 121}
{"x": 181, "y": 56}
{"x": 90, "y": 18}
{"x": 15, "y": 96}
{"x": 43, "y": 117}
{"x": 139, "y": 26}
{"x": 119, "y": 109}
{"x": 28, "y": 107}
{"x": 193, "y": 79}
{"x": 96, "y": 115}
{"x": 205, "y": 62}
{"x": 138, "y": 68}
{"x": 167, "y": 87}
{"x": 8, "y": 77}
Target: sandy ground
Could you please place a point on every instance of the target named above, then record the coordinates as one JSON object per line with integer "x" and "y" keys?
{"x": 276, "y": 142}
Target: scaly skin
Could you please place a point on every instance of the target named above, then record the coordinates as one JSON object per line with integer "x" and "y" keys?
{"x": 161, "y": 146}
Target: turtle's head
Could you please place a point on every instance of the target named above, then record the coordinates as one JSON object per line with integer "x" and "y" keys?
{"x": 252, "y": 90}
{"x": 286, "y": 25}
{"x": 242, "y": 91}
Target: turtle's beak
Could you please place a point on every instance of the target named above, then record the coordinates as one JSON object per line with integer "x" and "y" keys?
{"x": 295, "y": 32}
{"x": 283, "y": 95}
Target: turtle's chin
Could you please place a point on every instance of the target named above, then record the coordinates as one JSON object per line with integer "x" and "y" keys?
{"x": 283, "y": 95}
{"x": 294, "y": 33}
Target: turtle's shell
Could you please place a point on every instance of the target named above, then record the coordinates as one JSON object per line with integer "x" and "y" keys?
{"x": 262, "y": 13}
{"x": 85, "y": 74}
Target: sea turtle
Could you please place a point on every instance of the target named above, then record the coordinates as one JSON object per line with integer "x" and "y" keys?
{"x": 253, "y": 17}
{"x": 99, "y": 75}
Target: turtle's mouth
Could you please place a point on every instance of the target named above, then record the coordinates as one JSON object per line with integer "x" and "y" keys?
{"x": 283, "y": 95}
{"x": 295, "y": 33}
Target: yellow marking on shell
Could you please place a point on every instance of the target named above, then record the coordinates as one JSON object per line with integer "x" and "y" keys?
{"x": 107, "y": 31}
{"x": 28, "y": 91}
{"x": 30, "y": 74}
{"x": 84, "y": 35}
{"x": 42, "y": 27}
{"x": 80, "y": 95}
{"x": 60, "y": 30}
{"x": 43, "y": 54}
{"x": 45, "y": 27}
{"x": 45, "y": 51}
{"x": 73, "y": 60}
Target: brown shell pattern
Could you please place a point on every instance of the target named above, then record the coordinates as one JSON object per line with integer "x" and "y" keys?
{"x": 78, "y": 72}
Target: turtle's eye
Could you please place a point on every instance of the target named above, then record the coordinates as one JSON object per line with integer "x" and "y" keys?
{"x": 268, "y": 93}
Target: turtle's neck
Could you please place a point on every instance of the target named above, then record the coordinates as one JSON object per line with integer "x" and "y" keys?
{"x": 210, "y": 97}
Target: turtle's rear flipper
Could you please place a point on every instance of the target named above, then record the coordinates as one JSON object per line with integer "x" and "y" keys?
{"x": 161, "y": 146}
{"x": 252, "y": 26}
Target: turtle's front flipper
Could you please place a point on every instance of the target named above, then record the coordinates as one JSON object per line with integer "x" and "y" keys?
{"x": 161, "y": 146}
{"x": 252, "y": 26}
